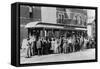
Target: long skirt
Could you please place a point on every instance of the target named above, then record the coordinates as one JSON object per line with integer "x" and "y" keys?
{"x": 56, "y": 48}
{"x": 28, "y": 51}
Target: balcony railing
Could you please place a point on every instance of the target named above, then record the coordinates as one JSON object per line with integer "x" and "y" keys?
{"x": 71, "y": 22}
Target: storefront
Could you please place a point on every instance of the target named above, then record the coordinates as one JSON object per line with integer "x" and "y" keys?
{"x": 40, "y": 29}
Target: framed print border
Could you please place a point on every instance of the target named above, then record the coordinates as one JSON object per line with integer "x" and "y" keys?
{"x": 15, "y": 34}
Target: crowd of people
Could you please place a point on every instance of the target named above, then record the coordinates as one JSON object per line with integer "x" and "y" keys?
{"x": 45, "y": 46}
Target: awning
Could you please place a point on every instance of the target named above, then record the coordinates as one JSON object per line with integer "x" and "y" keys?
{"x": 39, "y": 24}
{"x": 80, "y": 29}
{"x": 49, "y": 26}
{"x": 31, "y": 24}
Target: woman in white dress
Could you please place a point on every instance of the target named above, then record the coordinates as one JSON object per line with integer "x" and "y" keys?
{"x": 85, "y": 43}
{"x": 26, "y": 47}
{"x": 52, "y": 44}
{"x": 65, "y": 46}
{"x": 56, "y": 46}
{"x": 24, "y": 43}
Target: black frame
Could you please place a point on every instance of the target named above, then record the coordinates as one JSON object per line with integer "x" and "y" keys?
{"x": 15, "y": 34}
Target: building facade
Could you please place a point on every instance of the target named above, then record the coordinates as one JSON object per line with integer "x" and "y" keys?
{"x": 53, "y": 21}
{"x": 91, "y": 23}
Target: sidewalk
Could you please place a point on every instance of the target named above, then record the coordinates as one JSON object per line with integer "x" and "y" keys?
{"x": 80, "y": 55}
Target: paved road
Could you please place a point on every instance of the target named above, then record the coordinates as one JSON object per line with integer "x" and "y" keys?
{"x": 81, "y": 55}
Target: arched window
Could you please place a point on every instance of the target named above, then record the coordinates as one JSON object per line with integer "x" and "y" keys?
{"x": 80, "y": 20}
{"x": 75, "y": 19}
{"x": 61, "y": 15}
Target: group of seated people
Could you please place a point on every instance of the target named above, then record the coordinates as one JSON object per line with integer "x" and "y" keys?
{"x": 45, "y": 46}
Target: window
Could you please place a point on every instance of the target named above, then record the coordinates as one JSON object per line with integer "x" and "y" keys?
{"x": 30, "y": 12}
{"x": 60, "y": 17}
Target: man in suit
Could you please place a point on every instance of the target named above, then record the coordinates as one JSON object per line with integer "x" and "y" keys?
{"x": 33, "y": 46}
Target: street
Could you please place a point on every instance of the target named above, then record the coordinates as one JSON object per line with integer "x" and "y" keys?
{"x": 80, "y": 55}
